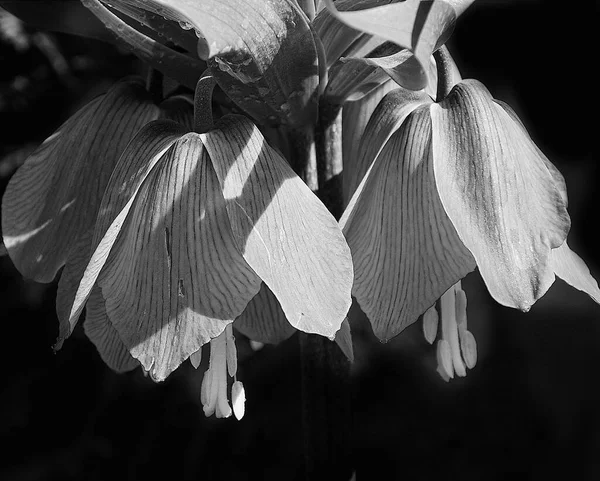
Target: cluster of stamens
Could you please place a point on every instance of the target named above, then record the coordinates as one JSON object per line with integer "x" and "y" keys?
{"x": 456, "y": 348}
{"x": 223, "y": 361}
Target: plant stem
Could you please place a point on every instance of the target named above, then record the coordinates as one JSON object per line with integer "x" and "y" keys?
{"x": 445, "y": 72}
{"x": 325, "y": 370}
{"x": 203, "y": 113}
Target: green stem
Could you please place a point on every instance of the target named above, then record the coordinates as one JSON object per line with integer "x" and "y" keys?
{"x": 445, "y": 72}
{"x": 203, "y": 113}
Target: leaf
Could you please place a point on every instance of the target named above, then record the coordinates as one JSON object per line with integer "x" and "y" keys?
{"x": 98, "y": 328}
{"x": 263, "y": 319}
{"x": 572, "y": 269}
{"x": 53, "y": 199}
{"x": 498, "y": 193}
{"x": 337, "y": 37}
{"x": 174, "y": 278}
{"x": 251, "y": 44}
{"x": 406, "y": 251}
{"x": 282, "y": 229}
{"x": 421, "y": 26}
{"x": 184, "y": 68}
{"x": 137, "y": 160}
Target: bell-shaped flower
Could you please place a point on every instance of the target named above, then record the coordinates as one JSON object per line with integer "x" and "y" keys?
{"x": 190, "y": 226}
{"x": 50, "y": 205}
{"x": 447, "y": 187}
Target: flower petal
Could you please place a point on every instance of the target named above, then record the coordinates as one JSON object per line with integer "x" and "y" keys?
{"x": 385, "y": 120}
{"x": 570, "y": 268}
{"x": 343, "y": 338}
{"x": 498, "y": 193}
{"x": 406, "y": 251}
{"x": 355, "y": 116}
{"x": 53, "y": 199}
{"x": 283, "y": 230}
{"x": 414, "y": 24}
{"x": 105, "y": 337}
{"x": 137, "y": 160}
{"x": 175, "y": 279}
{"x": 263, "y": 319}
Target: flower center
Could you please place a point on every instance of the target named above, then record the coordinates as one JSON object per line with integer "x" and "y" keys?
{"x": 456, "y": 349}
{"x": 223, "y": 362}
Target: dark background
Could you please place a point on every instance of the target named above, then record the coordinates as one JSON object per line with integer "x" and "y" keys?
{"x": 529, "y": 409}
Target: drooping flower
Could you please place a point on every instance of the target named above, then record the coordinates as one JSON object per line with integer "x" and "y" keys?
{"x": 447, "y": 187}
{"x": 190, "y": 226}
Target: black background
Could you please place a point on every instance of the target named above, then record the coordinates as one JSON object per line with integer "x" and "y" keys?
{"x": 529, "y": 409}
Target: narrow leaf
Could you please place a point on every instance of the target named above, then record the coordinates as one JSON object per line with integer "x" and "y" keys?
{"x": 284, "y": 232}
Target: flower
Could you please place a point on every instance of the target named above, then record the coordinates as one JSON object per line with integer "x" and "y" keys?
{"x": 189, "y": 228}
{"x": 447, "y": 187}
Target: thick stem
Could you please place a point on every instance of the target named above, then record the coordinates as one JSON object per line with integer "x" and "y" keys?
{"x": 203, "y": 113}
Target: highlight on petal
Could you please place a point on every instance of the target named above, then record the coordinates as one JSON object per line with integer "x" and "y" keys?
{"x": 406, "y": 251}
{"x": 98, "y": 328}
{"x": 499, "y": 194}
{"x": 249, "y": 44}
{"x": 53, "y": 199}
{"x": 174, "y": 278}
{"x": 572, "y": 269}
{"x": 283, "y": 230}
{"x": 137, "y": 160}
{"x": 414, "y": 24}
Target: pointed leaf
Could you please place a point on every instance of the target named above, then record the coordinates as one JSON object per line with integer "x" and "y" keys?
{"x": 53, "y": 199}
{"x": 250, "y": 44}
{"x": 137, "y": 160}
{"x": 572, "y": 269}
{"x": 263, "y": 319}
{"x": 405, "y": 250}
{"x": 174, "y": 278}
{"x": 98, "y": 328}
{"x": 418, "y": 25}
{"x": 284, "y": 232}
{"x": 498, "y": 193}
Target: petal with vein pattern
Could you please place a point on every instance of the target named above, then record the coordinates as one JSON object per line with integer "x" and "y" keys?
{"x": 174, "y": 278}
{"x": 105, "y": 337}
{"x": 283, "y": 230}
{"x": 406, "y": 251}
{"x": 137, "y": 160}
{"x": 385, "y": 120}
{"x": 570, "y": 268}
{"x": 53, "y": 199}
{"x": 499, "y": 194}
